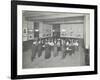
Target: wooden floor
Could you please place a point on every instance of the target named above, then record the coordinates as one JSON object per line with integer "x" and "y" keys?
{"x": 76, "y": 59}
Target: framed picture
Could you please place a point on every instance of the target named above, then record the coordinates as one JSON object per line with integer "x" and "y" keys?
{"x": 53, "y": 39}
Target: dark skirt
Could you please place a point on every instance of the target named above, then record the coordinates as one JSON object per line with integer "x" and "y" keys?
{"x": 34, "y": 51}
{"x": 55, "y": 51}
{"x": 58, "y": 48}
{"x": 64, "y": 51}
{"x": 72, "y": 50}
{"x": 47, "y": 52}
{"x": 39, "y": 50}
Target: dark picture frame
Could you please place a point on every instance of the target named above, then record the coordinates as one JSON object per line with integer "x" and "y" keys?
{"x": 14, "y": 37}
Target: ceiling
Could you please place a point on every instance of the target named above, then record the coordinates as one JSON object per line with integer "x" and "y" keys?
{"x": 51, "y": 17}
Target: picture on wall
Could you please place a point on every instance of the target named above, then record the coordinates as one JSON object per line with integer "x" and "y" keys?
{"x": 53, "y": 39}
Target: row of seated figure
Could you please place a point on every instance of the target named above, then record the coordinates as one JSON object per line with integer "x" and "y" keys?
{"x": 54, "y": 46}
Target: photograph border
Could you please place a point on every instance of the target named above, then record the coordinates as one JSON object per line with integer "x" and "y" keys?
{"x": 14, "y": 39}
